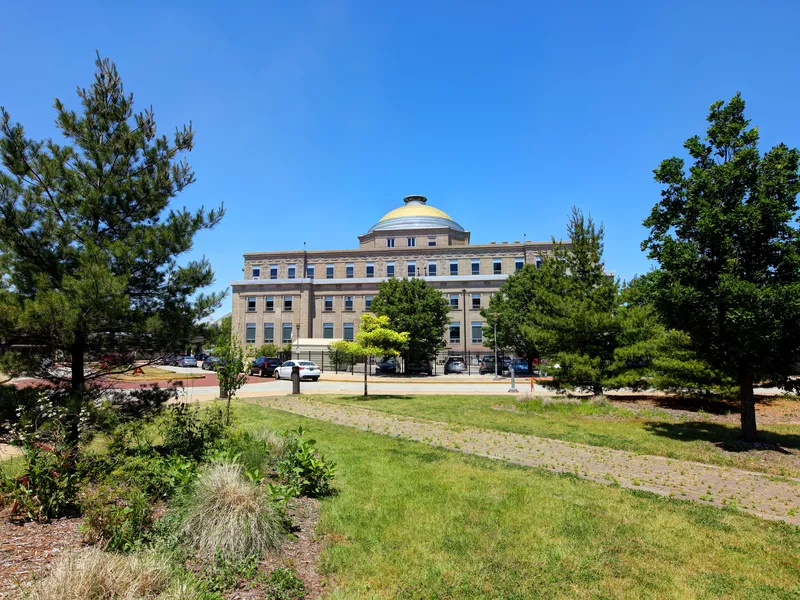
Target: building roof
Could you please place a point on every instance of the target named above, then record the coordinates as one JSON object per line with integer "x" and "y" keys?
{"x": 415, "y": 214}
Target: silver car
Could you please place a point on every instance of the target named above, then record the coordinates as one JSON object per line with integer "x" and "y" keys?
{"x": 187, "y": 361}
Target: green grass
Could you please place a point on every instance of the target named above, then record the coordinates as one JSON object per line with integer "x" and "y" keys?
{"x": 648, "y": 431}
{"x": 412, "y": 521}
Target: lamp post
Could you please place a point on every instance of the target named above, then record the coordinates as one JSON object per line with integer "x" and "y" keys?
{"x": 464, "y": 332}
{"x": 496, "y": 376}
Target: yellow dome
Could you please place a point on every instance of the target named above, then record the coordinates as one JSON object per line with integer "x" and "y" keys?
{"x": 415, "y": 210}
{"x": 416, "y": 214}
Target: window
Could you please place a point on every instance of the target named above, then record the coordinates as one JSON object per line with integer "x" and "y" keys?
{"x": 273, "y": 271}
{"x": 476, "y": 301}
{"x": 412, "y": 242}
{"x": 250, "y": 333}
{"x": 432, "y": 268}
{"x": 269, "y": 303}
{"x": 349, "y": 270}
{"x": 367, "y": 302}
{"x": 476, "y": 266}
{"x": 431, "y": 241}
{"x": 329, "y": 271}
{"x": 269, "y": 333}
{"x": 286, "y": 335}
{"x": 328, "y": 306}
{"x": 390, "y": 242}
{"x": 390, "y": 269}
{"x": 454, "y": 301}
{"x": 370, "y": 269}
{"x": 287, "y": 303}
{"x": 251, "y": 305}
{"x": 327, "y": 331}
{"x": 310, "y": 271}
{"x": 497, "y": 266}
{"x": 256, "y": 272}
{"x": 455, "y": 333}
{"x": 348, "y": 332}
{"x": 518, "y": 263}
{"x": 412, "y": 268}
{"x": 453, "y": 267}
{"x": 348, "y": 303}
{"x": 538, "y": 261}
{"x": 292, "y": 271}
{"x": 477, "y": 332}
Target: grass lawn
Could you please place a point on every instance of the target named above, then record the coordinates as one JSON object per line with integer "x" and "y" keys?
{"x": 411, "y": 521}
{"x": 156, "y": 374}
{"x": 643, "y": 431}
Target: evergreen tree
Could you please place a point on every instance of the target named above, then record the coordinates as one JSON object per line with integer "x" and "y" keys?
{"x": 88, "y": 241}
{"x": 415, "y": 307}
{"x": 572, "y": 319}
{"x": 726, "y": 238}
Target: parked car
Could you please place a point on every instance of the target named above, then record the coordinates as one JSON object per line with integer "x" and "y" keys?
{"x": 521, "y": 367}
{"x": 200, "y": 357}
{"x": 112, "y": 358}
{"x": 264, "y": 366}
{"x": 455, "y": 364}
{"x": 187, "y": 361}
{"x": 170, "y": 360}
{"x": 212, "y": 362}
{"x": 416, "y": 367}
{"x": 386, "y": 365}
{"x": 308, "y": 370}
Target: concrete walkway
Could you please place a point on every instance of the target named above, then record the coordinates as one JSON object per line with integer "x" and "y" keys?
{"x": 764, "y": 495}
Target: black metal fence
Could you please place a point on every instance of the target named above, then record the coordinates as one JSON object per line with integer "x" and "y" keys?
{"x": 474, "y": 363}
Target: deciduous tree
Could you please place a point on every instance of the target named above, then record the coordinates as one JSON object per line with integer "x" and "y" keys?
{"x": 726, "y": 238}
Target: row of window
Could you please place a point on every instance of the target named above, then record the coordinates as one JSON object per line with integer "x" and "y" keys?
{"x": 477, "y": 332}
{"x": 411, "y": 269}
{"x": 328, "y": 303}
{"x": 348, "y": 332}
{"x": 411, "y": 242}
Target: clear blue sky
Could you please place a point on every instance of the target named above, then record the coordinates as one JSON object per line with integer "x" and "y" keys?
{"x": 314, "y": 119}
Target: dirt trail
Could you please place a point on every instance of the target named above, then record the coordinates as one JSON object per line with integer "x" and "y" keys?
{"x": 764, "y": 495}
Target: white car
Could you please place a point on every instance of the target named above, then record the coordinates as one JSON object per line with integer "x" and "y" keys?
{"x": 308, "y": 370}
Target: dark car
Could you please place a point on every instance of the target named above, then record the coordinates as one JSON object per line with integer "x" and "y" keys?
{"x": 487, "y": 364}
{"x": 211, "y": 363}
{"x": 521, "y": 366}
{"x": 264, "y": 366}
{"x": 416, "y": 367}
{"x": 386, "y": 366}
{"x": 200, "y": 357}
{"x": 112, "y": 359}
{"x": 455, "y": 364}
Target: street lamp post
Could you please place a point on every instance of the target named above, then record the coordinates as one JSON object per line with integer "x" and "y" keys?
{"x": 464, "y": 330}
{"x": 496, "y": 376}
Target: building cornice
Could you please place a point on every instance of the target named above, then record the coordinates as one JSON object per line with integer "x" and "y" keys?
{"x": 318, "y": 283}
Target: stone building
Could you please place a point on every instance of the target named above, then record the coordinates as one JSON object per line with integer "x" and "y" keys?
{"x": 310, "y": 298}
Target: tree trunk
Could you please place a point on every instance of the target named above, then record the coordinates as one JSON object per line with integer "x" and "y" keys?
{"x": 366, "y": 367}
{"x": 77, "y": 390}
{"x": 597, "y": 389}
{"x": 749, "y": 430}
{"x": 78, "y": 377}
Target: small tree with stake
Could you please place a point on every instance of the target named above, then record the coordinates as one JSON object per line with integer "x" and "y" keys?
{"x": 230, "y": 371}
{"x": 726, "y": 238}
{"x": 374, "y": 338}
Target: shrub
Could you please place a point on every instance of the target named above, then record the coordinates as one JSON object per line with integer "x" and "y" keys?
{"x": 187, "y": 432}
{"x": 48, "y": 484}
{"x": 117, "y": 517}
{"x": 96, "y": 575}
{"x": 303, "y": 468}
{"x": 15, "y": 403}
{"x": 227, "y": 513}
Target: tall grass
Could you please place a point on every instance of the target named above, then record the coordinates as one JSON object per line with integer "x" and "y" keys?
{"x": 230, "y": 516}
{"x": 92, "y": 574}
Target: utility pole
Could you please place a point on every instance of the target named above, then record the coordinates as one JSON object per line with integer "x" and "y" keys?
{"x": 464, "y": 333}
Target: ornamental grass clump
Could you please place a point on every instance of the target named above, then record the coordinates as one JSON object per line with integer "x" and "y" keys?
{"x": 229, "y": 515}
{"x": 92, "y": 574}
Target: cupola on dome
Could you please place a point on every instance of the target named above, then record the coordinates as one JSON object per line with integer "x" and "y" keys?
{"x": 416, "y": 213}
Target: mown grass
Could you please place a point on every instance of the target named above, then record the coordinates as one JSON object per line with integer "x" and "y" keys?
{"x": 411, "y": 521}
{"x": 644, "y": 431}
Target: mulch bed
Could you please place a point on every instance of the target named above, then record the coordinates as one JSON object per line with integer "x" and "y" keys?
{"x": 27, "y": 550}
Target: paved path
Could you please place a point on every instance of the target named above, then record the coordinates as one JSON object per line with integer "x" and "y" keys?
{"x": 758, "y": 493}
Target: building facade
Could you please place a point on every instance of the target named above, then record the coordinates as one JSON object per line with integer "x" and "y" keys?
{"x": 311, "y": 298}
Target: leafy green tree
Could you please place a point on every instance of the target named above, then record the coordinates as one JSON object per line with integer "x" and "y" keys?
{"x": 230, "y": 371}
{"x": 88, "y": 241}
{"x": 269, "y": 350}
{"x": 726, "y": 239}
{"x": 415, "y": 307}
{"x": 223, "y": 331}
{"x": 512, "y": 308}
{"x": 573, "y": 319}
{"x": 374, "y": 338}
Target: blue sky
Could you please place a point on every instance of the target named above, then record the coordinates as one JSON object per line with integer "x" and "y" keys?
{"x": 313, "y": 119}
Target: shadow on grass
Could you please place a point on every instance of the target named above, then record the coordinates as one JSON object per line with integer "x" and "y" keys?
{"x": 363, "y": 398}
{"x": 714, "y": 405}
{"x": 727, "y": 437}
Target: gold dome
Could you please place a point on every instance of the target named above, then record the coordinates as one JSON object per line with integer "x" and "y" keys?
{"x": 416, "y": 214}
